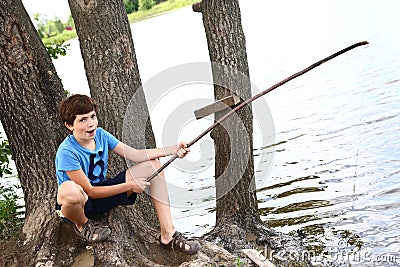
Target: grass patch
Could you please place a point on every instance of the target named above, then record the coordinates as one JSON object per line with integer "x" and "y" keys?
{"x": 159, "y": 9}
{"x": 64, "y": 36}
{"x": 156, "y": 10}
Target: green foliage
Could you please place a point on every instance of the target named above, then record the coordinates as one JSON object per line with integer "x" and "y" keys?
{"x": 10, "y": 218}
{"x": 68, "y": 93}
{"x": 39, "y": 22}
{"x": 70, "y": 21}
{"x": 58, "y": 26}
{"x": 57, "y": 48}
{"x": 131, "y": 6}
{"x": 146, "y": 4}
{"x": 5, "y": 157}
{"x": 10, "y": 221}
{"x": 65, "y": 36}
{"x": 54, "y": 28}
{"x": 239, "y": 262}
{"x": 161, "y": 8}
{"x": 46, "y": 27}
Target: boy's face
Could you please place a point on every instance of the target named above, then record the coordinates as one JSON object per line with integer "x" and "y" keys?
{"x": 84, "y": 126}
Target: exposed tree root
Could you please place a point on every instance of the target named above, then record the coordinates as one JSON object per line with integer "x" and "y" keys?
{"x": 281, "y": 249}
{"x": 135, "y": 244}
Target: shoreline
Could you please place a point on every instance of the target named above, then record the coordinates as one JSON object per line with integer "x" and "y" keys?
{"x": 140, "y": 15}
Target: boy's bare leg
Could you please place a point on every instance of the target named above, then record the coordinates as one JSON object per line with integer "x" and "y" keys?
{"x": 159, "y": 196}
{"x": 160, "y": 199}
{"x": 72, "y": 199}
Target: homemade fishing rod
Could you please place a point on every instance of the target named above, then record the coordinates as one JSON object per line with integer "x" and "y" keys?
{"x": 244, "y": 103}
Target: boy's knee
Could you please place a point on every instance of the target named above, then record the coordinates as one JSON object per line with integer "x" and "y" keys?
{"x": 144, "y": 169}
{"x": 70, "y": 192}
{"x": 155, "y": 164}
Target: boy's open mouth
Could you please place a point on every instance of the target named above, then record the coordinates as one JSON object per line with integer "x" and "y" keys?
{"x": 91, "y": 132}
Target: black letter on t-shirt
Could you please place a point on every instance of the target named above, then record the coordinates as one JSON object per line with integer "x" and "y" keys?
{"x": 93, "y": 165}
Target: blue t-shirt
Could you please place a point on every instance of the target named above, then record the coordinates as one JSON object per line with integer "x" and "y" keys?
{"x": 72, "y": 156}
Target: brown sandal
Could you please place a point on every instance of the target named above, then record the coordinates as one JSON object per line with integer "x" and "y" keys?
{"x": 90, "y": 229}
{"x": 179, "y": 241}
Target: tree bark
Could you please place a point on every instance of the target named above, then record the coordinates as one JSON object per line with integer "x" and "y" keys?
{"x": 30, "y": 91}
{"x": 113, "y": 75}
{"x": 238, "y": 224}
{"x": 234, "y": 164}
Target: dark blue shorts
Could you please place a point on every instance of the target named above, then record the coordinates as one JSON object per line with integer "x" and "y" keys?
{"x": 96, "y": 207}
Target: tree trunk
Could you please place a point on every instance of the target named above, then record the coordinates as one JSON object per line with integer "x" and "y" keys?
{"x": 238, "y": 224}
{"x": 111, "y": 68}
{"x": 30, "y": 90}
{"x": 234, "y": 164}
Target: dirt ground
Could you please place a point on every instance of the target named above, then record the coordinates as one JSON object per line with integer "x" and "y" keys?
{"x": 10, "y": 252}
{"x": 11, "y": 255}
{"x": 85, "y": 259}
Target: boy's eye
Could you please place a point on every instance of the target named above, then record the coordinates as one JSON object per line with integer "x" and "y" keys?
{"x": 93, "y": 116}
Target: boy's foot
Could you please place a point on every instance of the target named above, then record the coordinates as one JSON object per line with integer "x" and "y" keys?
{"x": 183, "y": 244}
{"x": 93, "y": 232}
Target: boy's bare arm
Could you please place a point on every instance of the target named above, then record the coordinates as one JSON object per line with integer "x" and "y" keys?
{"x": 141, "y": 155}
{"x": 94, "y": 192}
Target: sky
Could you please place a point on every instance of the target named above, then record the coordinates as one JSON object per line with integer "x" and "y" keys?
{"x": 51, "y": 8}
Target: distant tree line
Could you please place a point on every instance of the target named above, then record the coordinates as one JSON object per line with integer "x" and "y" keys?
{"x": 51, "y": 27}
{"x": 134, "y": 5}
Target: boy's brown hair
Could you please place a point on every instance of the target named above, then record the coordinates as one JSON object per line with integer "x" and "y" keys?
{"x": 76, "y": 105}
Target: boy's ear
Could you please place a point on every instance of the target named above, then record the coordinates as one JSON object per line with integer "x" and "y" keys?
{"x": 69, "y": 127}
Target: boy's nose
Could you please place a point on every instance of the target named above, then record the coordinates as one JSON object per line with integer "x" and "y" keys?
{"x": 91, "y": 122}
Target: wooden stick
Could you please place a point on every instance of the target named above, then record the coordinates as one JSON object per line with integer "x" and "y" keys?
{"x": 244, "y": 103}
{"x": 217, "y": 106}
{"x": 254, "y": 256}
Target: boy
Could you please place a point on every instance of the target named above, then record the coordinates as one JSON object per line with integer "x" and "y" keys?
{"x": 81, "y": 167}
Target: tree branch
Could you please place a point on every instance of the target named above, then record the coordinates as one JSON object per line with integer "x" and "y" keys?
{"x": 197, "y": 7}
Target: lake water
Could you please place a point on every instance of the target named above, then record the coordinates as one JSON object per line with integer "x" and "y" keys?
{"x": 331, "y": 167}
